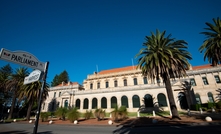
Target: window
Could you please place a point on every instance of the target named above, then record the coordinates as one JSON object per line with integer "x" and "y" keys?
{"x": 103, "y": 102}
{"x": 54, "y": 94}
{"x": 98, "y": 85}
{"x": 91, "y": 86}
{"x": 135, "y": 81}
{"x": 125, "y": 82}
{"x": 136, "y": 101}
{"x": 107, "y": 84}
{"x": 113, "y": 102}
{"x": 115, "y": 83}
{"x": 162, "y": 100}
{"x": 94, "y": 103}
{"x": 198, "y": 100}
{"x": 217, "y": 79}
{"x": 145, "y": 80}
{"x": 85, "y": 105}
{"x": 59, "y": 94}
{"x": 210, "y": 96}
{"x": 192, "y": 82}
{"x": 78, "y": 103}
{"x": 124, "y": 101}
{"x": 205, "y": 81}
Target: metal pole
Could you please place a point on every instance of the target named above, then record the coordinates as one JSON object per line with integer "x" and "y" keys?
{"x": 39, "y": 101}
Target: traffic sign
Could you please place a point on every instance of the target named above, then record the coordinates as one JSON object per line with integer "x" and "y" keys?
{"x": 33, "y": 76}
{"x": 22, "y": 58}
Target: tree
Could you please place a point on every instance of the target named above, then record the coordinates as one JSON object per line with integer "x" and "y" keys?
{"x": 5, "y": 73}
{"x": 14, "y": 84}
{"x": 212, "y": 45}
{"x": 63, "y": 77}
{"x": 31, "y": 93}
{"x": 55, "y": 81}
{"x": 58, "y": 79}
{"x": 164, "y": 57}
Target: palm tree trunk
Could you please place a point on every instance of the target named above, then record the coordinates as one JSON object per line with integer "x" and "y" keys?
{"x": 173, "y": 108}
{"x": 29, "y": 110}
{"x": 12, "y": 106}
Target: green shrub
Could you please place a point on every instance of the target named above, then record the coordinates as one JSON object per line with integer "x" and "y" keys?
{"x": 88, "y": 114}
{"x": 99, "y": 114}
{"x": 44, "y": 116}
{"x": 119, "y": 114}
{"x": 61, "y": 112}
{"x": 73, "y": 114}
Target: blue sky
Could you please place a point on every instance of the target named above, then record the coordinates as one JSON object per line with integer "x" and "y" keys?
{"x": 83, "y": 36}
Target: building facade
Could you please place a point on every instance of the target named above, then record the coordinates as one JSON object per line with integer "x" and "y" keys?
{"x": 127, "y": 86}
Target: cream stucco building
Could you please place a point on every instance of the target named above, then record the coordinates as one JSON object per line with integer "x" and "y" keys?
{"x": 127, "y": 86}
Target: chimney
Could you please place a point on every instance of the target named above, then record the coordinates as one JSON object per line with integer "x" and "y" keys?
{"x": 69, "y": 83}
{"x": 63, "y": 83}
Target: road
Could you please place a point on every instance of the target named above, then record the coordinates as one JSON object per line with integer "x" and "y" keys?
{"x": 18, "y": 128}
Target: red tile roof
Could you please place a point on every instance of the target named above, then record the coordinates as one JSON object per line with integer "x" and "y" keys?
{"x": 202, "y": 67}
{"x": 118, "y": 70}
{"x": 66, "y": 84}
{"x": 128, "y": 68}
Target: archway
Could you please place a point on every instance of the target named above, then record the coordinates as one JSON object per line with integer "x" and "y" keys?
{"x": 148, "y": 100}
{"x": 182, "y": 100}
{"x": 66, "y": 103}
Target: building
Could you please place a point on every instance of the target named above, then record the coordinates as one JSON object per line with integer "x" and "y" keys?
{"x": 127, "y": 86}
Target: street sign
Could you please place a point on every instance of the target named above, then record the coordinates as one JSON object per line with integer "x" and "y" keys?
{"x": 34, "y": 76}
{"x": 22, "y": 58}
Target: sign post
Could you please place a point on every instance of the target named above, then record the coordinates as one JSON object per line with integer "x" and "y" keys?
{"x": 39, "y": 101}
{"x": 29, "y": 60}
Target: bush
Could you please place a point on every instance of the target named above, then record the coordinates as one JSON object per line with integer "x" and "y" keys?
{"x": 73, "y": 114}
{"x": 119, "y": 114}
{"x": 88, "y": 114}
{"x": 44, "y": 116}
{"x": 61, "y": 112}
{"x": 99, "y": 114}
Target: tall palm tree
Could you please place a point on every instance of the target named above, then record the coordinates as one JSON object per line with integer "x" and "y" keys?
{"x": 212, "y": 44}
{"x": 164, "y": 57}
{"x": 14, "y": 84}
{"x": 31, "y": 93}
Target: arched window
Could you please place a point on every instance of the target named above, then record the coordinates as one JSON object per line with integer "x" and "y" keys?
{"x": 66, "y": 103}
{"x": 124, "y": 101}
{"x": 210, "y": 96}
{"x": 136, "y": 101}
{"x": 113, "y": 102}
{"x": 78, "y": 103}
{"x": 103, "y": 102}
{"x": 94, "y": 103}
{"x": 198, "y": 100}
{"x": 135, "y": 81}
{"x": 162, "y": 100}
{"x": 85, "y": 104}
{"x": 125, "y": 82}
{"x": 148, "y": 100}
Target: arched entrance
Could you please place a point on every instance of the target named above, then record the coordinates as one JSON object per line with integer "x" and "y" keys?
{"x": 148, "y": 100}
{"x": 182, "y": 100}
{"x": 66, "y": 103}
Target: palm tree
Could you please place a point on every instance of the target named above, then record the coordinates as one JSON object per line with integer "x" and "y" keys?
{"x": 164, "y": 57}
{"x": 14, "y": 84}
{"x": 31, "y": 93}
{"x": 212, "y": 44}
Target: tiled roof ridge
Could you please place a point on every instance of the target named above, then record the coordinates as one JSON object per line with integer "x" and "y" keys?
{"x": 128, "y": 68}
{"x": 66, "y": 84}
